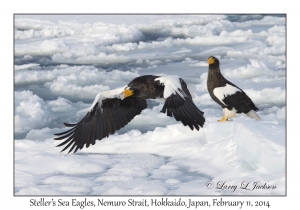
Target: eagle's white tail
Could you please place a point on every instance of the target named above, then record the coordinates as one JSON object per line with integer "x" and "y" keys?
{"x": 253, "y": 114}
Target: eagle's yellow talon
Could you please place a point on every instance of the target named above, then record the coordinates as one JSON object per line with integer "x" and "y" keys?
{"x": 223, "y": 119}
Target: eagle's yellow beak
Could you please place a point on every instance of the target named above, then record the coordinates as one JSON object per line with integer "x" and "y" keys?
{"x": 210, "y": 61}
{"x": 127, "y": 93}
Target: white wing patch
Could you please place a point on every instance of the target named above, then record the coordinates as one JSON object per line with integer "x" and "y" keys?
{"x": 116, "y": 93}
{"x": 222, "y": 92}
{"x": 172, "y": 84}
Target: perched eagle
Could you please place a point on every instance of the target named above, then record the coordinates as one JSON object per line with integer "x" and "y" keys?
{"x": 232, "y": 99}
{"x": 112, "y": 110}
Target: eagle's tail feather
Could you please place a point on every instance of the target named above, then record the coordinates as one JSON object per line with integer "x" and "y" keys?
{"x": 253, "y": 114}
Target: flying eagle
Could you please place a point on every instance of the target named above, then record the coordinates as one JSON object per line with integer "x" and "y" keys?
{"x": 112, "y": 110}
{"x": 232, "y": 98}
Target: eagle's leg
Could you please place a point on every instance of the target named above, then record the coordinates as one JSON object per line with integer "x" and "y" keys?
{"x": 228, "y": 113}
{"x": 223, "y": 119}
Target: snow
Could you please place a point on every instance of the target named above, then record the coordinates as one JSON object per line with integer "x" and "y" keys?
{"x": 30, "y": 112}
{"x": 62, "y": 62}
{"x": 162, "y": 161}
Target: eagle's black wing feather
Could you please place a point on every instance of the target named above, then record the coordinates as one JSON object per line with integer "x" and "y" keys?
{"x": 99, "y": 124}
{"x": 241, "y": 102}
{"x": 184, "y": 109}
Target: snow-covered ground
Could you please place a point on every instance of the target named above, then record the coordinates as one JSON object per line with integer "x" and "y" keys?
{"x": 62, "y": 62}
